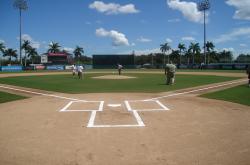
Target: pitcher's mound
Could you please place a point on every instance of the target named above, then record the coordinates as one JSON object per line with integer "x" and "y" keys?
{"x": 113, "y": 77}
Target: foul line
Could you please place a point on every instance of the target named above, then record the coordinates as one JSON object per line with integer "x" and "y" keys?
{"x": 156, "y": 98}
{"x": 196, "y": 90}
{"x": 38, "y": 93}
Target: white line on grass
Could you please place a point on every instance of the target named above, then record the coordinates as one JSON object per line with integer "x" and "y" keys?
{"x": 38, "y": 93}
{"x": 196, "y": 90}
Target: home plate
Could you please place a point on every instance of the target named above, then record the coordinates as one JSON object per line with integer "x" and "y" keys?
{"x": 114, "y": 105}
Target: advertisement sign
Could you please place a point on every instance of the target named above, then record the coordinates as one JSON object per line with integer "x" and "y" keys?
{"x": 68, "y": 67}
{"x": 44, "y": 59}
{"x": 55, "y": 67}
{"x": 227, "y": 66}
{"x": 40, "y": 67}
{"x": 11, "y": 68}
{"x": 240, "y": 66}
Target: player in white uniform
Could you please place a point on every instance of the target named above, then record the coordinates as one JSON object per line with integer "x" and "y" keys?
{"x": 80, "y": 71}
{"x": 74, "y": 70}
{"x": 119, "y": 69}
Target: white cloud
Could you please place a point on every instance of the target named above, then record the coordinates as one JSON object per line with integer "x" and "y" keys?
{"x": 143, "y": 39}
{"x": 113, "y": 8}
{"x": 119, "y": 39}
{"x": 188, "y": 9}
{"x": 33, "y": 43}
{"x": 233, "y": 35}
{"x": 188, "y": 38}
{"x": 133, "y": 44}
{"x": 229, "y": 49}
{"x": 2, "y": 41}
{"x": 174, "y": 20}
{"x": 243, "y": 45}
{"x": 242, "y": 8}
{"x": 169, "y": 40}
{"x": 68, "y": 49}
{"x": 147, "y": 51}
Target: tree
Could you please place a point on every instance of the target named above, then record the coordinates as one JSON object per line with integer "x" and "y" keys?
{"x": 243, "y": 58}
{"x": 195, "y": 49}
{"x": 54, "y": 47}
{"x": 225, "y": 56}
{"x": 78, "y": 52}
{"x": 210, "y": 47}
{"x": 26, "y": 46}
{"x": 181, "y": 48}
{"x": 2, "y": 50}
{"x": 2, "y": 47}
{"x": 10, "y": 53}
{"x": 20, "y": 5}
{"x": 164, "y": 48}
{"x": 174, "y": 56}
{"x": 32, "y": 54}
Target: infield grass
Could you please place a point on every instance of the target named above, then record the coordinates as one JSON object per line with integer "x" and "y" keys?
{"x": 239, "y": 94}
{"x": 6, "y": 97}
{"x": 146, "y": 83}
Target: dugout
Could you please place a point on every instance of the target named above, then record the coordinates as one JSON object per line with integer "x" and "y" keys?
{"x": 110, "y": 61}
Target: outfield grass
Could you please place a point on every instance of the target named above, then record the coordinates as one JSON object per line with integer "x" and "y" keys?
{"x": 6, "y": 97}
{"x": 146, "y": 83}
{"x": 239, "y": 94}
{"x": 129, "y": 70}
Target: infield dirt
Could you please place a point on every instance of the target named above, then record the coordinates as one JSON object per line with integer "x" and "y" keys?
{"x": 195, "y": 131}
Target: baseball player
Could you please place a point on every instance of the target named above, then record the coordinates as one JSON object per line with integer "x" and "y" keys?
{"x": 170, "y": 73}
{"x": 248, "y": 72}
{"x": 120, "y": 69}
{"x": 80, "y": 71}
{"x": 73, "y": 70}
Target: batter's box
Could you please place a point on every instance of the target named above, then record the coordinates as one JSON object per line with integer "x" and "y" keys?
{"x": 145, "y": 105}
{"x": 84, "y": 106}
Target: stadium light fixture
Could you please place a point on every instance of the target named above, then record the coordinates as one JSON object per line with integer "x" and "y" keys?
{"x": 204, "y": 6}
{"x": 21, "y": 5}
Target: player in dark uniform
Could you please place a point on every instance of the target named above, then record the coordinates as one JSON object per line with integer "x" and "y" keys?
{"x": 248, "y": 72}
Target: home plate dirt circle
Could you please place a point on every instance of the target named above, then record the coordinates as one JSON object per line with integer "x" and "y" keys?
{"x": 113, "y": 77}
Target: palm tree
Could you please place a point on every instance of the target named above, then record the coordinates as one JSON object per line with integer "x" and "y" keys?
{"x": 78, "y": 52}
{"x": 2, "y": 49}
{"x": 10, "y": 53}
{"x": 26, "y": 46}
{"x": 210, "y": 46}
{"x": 54, "y": 47}
{"x": 181, "y": 47}
{"x": 195, "y": 48}
{"x": 32, "y": 53}
{"x": 164, "y": 48}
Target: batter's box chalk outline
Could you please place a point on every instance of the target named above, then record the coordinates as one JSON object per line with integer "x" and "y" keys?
{"x": 66, "y": 108}
{"x": 91, "y": 123}
{"x": 162, "y": 107}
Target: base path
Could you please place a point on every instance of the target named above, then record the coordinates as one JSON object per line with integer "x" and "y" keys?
{"x": 173, "y": 128}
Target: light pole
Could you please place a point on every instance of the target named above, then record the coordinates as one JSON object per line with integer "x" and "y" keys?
{"x": 20, "y": 5}
{"x": 203, "y": 6}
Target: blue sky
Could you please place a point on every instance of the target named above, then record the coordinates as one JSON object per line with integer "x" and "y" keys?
{"x": 121, "y": 26}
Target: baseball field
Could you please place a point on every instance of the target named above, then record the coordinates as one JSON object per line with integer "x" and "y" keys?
{"x": 54, "y": 118}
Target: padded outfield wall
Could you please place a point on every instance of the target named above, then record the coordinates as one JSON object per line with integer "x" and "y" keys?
{"x": 110, "y": 61}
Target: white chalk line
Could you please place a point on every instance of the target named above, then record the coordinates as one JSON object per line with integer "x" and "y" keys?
{"x": 74, "y": 99}
{"x": 139, "y": 120}
{"x": 38, "y": 93}
{"x": 192, "y": 91}
{"x": 91, "y": 123}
